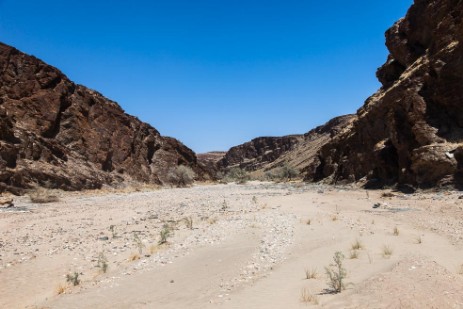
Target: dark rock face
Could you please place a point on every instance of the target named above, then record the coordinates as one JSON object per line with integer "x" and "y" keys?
{"x": 266, "y": 153}
{"x": 54, "y": 133}
{"x": 260, "y": 151}
{"x": 410, "y": 131}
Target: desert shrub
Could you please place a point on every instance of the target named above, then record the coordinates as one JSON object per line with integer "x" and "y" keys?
{"x": 102, "y": 263}
{"x": 283, "y": 173}
{"x": 336, "y": 273}
{"x": 42, "y": 196}
{"x": 181, "y": 176}
{"x": 238, "y": 175}
{"x": 73, "y": 278}
{"x": 165, "y": 233}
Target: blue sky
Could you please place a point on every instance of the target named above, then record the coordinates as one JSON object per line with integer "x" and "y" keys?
{"x": 213, "y": 73}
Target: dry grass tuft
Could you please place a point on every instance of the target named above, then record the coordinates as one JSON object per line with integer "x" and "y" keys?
{"x": 307, "y": 297}
{"x": 387, "y": 252}
{"x": 153, "y": 249}
{"x": 134, "y": 257}
{"x": 61, "y": 289}
{"x": 396, "y": 231}
{"x": 357, "y": 245}
{"x": 354, "y": 254}
{"x": 311, "y": 273}
{"x": 212, "y": 220}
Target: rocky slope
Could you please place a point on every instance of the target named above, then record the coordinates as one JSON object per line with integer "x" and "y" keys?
{"x": 411, "y": 130}
{"x": 57, "y": 134}
{"x": 267, "y": 153}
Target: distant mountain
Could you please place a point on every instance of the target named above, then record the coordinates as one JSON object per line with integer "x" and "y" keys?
{"x": 298, "y": 151}
{"x": 56, "y": 134}
{"x": 411, "y": 130}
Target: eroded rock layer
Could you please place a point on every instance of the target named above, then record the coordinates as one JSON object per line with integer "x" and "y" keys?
{"x": 297, "y": 151}
{"x": 411, "y": 130}
{"x": 57, "y": 134}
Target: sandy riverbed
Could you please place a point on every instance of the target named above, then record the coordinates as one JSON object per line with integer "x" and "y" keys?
{"x": 233, "y": 246}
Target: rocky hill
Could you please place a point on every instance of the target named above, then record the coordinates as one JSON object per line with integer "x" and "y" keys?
{"x": 411, "y": 130}
{"x": 298, "y": 151}
{"x": 56, "y": 134}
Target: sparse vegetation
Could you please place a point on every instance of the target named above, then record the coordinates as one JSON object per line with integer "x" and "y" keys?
{"x": 138, "y": 243}
{"x": 42, "y": 196}
{"x": 418, "y": 240}
{"x": 224, "y": 206}
{"x": 308, "y": 222}
{"x": 396, "y": 231}
{"x": 188, "y": 222}
{"x": 334, "y": 218}
{"x": 165, "y": 233}
{"x": 283, "y": 173}
{"x": 61, "y": 289}
{"x": 307, "y": 297}
{"x": 212, "y": 220}
{"x": 357, "y": 245}
{"x": 387, "y": 251}
{"x": 112, "y": 229}
{"x": 182, "y": 176}
{"x": 153, "y": 249}
{"x": 102, "y": 263}
{"x": 254, "y": 199}
{"x": 238, "y": 175}
{"x": 73, "y": 278}
{"x": 134, "y": 257}
{"x": 311, "y": 273}
{"x": 354, "y": 254}
{"x": 336, "y": 273}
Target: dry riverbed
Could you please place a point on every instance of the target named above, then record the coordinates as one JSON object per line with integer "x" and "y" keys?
{"x": 258, "y": 245}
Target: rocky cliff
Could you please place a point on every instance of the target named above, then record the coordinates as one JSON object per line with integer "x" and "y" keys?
{"x": 57, "y": 134}
{"x": 298, "y": 151}
{"x": 411, "y": 130}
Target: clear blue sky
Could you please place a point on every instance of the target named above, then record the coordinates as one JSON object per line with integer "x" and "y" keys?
{"x": 213, "y": 73}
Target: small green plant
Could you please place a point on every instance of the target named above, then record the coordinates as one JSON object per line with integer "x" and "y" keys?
{"x": 311, "y": 273}
{"x": 396, "y": 231}
{"x": 189, "y": 222}
{"x": 138, "y": 243}
{"x": 307, "y": 297}
{"x": 73, "y": 278}
{"x": 112, "y": 229}
{"x": 102, "y": 263}
{"x": 165, "y": 233}
{"x": 387, "y": 251}
{"x": 336, "y": 273}
{"x": 357, "y": 245}
{"x": 224, "y": 206}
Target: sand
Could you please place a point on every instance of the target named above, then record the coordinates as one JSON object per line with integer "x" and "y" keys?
{"x": 233, "y": 246}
